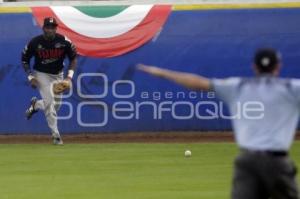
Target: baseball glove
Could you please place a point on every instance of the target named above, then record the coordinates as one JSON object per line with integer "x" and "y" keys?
{"x": 61, "y": 86}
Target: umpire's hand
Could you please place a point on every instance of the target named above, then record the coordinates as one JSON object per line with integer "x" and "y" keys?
{"x": 153, "y": 70}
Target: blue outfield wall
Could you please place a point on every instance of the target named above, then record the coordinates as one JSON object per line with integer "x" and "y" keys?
{"x": 213, "y": 43}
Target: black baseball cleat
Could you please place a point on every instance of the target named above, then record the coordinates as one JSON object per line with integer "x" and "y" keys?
{"x": 30, "y": 111}
{"x": 57, "y": 141}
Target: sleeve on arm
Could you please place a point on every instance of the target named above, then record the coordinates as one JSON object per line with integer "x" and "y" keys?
{"x": 226, "y": 89}
{"x": 27, "y": 53}
{"x": 71, "y": 50}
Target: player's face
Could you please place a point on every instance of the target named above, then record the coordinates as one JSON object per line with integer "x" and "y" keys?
{"x": 49, "y": 31}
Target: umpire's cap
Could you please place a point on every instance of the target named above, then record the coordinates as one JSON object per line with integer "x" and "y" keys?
{"x": 50, "y": 22}
{"x": 267, "y": 59}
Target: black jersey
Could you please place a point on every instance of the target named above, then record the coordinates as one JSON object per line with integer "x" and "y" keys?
{"x": 49, "y": 54}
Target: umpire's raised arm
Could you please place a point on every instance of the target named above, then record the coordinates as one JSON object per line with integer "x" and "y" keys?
{"x": 188, "y": 80}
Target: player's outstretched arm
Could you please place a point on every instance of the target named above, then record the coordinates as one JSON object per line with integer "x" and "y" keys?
{"x": 188, "y": 80}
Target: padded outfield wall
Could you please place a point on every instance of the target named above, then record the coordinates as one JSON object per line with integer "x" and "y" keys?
{"x": 109, "y": 95}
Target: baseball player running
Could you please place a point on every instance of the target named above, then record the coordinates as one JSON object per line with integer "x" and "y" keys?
{"x": 49, "y": 51}
{"x": 263, "y": 169}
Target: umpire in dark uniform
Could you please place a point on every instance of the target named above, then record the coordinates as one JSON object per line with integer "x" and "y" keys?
{"x": 263, "y": 169}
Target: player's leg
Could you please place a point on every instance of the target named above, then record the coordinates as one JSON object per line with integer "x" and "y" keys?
{"x": 58, "y": 100}
{"x": 282, "y": 179}
{"x": 35, "y": 103}
{"x": 246, "y": 182}
{"x": 48, "y": 103}
{"x": 56, "y": 105}
{"x": 39, "y": 105}
{"x": 31, "y": 110}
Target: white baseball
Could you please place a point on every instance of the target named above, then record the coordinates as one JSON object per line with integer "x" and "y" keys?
{"x": 187, "y": 153}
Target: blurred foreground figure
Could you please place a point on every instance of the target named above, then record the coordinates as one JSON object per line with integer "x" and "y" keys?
{"x": 263, "y": 168}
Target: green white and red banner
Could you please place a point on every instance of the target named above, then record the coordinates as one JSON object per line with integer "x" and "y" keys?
{"x": 106, "y": 31}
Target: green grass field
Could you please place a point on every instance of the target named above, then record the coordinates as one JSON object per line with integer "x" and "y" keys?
{"x": 118, "y": 171}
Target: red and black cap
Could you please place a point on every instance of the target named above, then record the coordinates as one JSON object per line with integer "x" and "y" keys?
{"x": 50, "y": 22}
